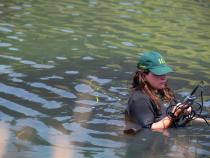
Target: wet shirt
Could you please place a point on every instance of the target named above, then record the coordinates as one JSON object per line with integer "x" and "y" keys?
{"x": 142, "y": 110}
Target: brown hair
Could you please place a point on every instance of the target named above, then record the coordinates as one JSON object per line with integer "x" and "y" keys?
{"x": 139, "y": 83}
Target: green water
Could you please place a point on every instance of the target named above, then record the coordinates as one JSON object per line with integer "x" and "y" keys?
{"x": 65, "y": 69}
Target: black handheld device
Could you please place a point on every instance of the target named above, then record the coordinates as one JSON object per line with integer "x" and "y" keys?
{"x": 189, "y": 100}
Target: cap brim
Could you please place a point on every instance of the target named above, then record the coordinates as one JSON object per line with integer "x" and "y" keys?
{"x": 161, "y": 70}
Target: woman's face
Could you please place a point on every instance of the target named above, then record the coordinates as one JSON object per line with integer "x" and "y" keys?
{"x": 156, "y": 81}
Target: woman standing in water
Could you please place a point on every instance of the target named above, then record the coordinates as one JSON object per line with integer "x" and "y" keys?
{"x": 150, "y": 95}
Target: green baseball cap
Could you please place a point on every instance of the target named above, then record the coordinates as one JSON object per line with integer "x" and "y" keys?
{"x": 153, "y": 62}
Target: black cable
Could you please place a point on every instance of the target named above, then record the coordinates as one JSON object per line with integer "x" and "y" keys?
{"x": 188, "y": 102}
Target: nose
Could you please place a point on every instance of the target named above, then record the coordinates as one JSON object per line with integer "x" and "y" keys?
{"x": 163, "y": 77}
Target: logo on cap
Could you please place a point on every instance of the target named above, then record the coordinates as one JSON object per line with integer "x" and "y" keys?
{"x": 161, "y": 61}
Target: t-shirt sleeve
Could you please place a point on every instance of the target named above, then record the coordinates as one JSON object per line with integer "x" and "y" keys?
{"x": 140, "y": 110}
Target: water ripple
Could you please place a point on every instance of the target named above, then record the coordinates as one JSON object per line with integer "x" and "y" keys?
{"x": 90, "y": 102}
{"x": 81, "y": 109}
{"x": 15, "y": 74}
{"x": 4, "y": 44}
{"x": 126, "y": 3}
{"x": 4, "y": 29}
{"x": 206, "y": 104}
{"x": 60, "y": 92}
{"x": 5, "y": 117}
{"x": 128, "y": 44}
{"x": 15, "y": 7}
{"x": 65, "y": 30}
{"x": 83, "y": 88}
{"x": 83, "y": 135}
{"x": 16, "y": 38}
{"x": 52, "y": 77}
{"x": 71, "y": 72}
{"x": 43, "y": 66}
{"x": 43, "y": 130}
{"x": 10, "y": 57}
{"x": 13, "y": 49}
{"x": 29, "y": 96}
{"x": 119, "y": 90}
{"x": 88, "y": 58}
{"x": 61, "y": 58}
{"x": 99, "y": 80}
{"x": 5, "y": 69}
{"x": 17, "y": 80}
{"x": 119, "y": 123}
{"x": 18, "y": 108}
{"x": 28, "y": 62}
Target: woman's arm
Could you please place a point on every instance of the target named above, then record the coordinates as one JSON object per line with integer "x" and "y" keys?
{"x": 168, "y": 120}
{"x": 140, "y": 110}
{"x": 163, "y": 124}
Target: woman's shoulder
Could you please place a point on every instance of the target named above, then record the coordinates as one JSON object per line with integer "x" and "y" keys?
{"x": 138, "y": 99}
{"x": 138, "y": 94}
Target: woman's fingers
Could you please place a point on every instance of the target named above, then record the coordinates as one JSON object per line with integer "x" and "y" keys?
{"x": 181, "y": 109}
{"x": 188, "y": 111}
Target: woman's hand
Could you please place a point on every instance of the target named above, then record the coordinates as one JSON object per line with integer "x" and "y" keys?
{"x": 188, "y": 111}
{"x": 180, "y": 109}
{"x": 177, "y": 110}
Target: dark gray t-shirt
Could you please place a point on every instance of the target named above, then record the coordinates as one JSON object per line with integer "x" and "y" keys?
{"x": 142, "y": 110}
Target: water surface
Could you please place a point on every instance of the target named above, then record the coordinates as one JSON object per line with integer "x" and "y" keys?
{"x": 66, "y": 68}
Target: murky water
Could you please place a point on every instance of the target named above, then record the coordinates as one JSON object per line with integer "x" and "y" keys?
{"x": 66, "y": 66}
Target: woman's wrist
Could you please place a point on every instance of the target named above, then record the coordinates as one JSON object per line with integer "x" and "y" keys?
{"x": 172, "y": 115}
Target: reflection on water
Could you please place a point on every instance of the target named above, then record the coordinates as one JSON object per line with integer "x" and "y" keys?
{"x": 179, "y": 144}
{"x": 5, "y": 134}
{"x": 66, "y": 69}
{"x": 21, "y": 93}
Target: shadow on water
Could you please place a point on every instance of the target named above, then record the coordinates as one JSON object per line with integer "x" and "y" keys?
{"x": 66, "y": 67}
{"x": 170, "y": 143}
